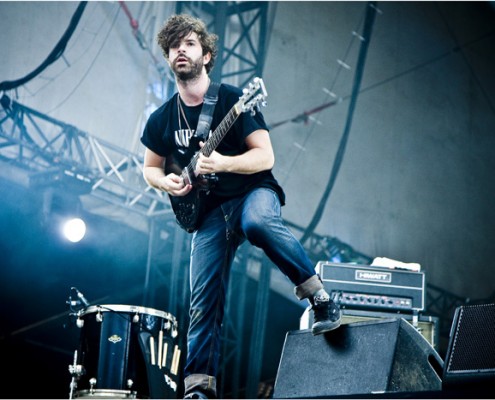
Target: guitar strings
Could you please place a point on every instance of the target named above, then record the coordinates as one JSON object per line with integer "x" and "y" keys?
{"x": 213, "y": 141}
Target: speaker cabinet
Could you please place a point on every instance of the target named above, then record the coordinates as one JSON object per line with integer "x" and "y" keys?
{"x": 360, "y": 359}
{"x": 470, "y": 357}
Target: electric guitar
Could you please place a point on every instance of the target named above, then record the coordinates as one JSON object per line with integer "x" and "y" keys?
{"x": 189, "y": 209}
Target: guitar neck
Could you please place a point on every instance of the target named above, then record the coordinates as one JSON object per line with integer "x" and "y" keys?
{"x": 214, "y": 140}
{"x": 222, "y": 129}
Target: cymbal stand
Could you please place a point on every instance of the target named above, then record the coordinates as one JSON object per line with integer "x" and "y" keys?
{"x": 76, "y": 371}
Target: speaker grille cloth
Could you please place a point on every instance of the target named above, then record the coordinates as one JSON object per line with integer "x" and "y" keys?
{"x": 473, "y": 345}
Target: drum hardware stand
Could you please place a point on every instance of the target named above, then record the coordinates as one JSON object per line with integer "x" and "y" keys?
{"x": 81, "y": 298}
{"x": 76, "y": 371}
{"x": 80, "y": 301}
{"x": 173, "y": 326}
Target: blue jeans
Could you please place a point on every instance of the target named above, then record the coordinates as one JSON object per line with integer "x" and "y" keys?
{"x": 257, "y": 218}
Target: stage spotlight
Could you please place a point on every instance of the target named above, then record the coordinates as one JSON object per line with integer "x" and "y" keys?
{"x": 74, "y": 229}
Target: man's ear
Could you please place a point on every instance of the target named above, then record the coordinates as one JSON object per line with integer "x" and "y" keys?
{"x": 206, "y": 58}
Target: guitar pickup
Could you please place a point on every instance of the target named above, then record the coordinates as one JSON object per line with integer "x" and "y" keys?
{"x": 209, "y": 177}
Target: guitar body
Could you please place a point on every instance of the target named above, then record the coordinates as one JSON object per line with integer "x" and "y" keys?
{"x": 189, "y": 209}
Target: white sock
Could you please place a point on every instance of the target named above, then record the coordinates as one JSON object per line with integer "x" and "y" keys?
{"x": 322, "y": 293}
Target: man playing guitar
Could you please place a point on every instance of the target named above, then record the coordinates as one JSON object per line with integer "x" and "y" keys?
{"x": 242, "y": 203}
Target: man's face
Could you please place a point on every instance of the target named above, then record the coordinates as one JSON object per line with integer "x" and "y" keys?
{"x": 186, "y": 58}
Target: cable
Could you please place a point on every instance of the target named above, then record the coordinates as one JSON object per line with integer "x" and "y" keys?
{"x": 425, "y": 63}
{"x": 82, "y": 52}
{"x": 90, "y": 67}
{"x": 368, "y": 25}
{"x": 55, "y": 54}
{"x": 464, "y": 57}
{"x": 306, "y": 114}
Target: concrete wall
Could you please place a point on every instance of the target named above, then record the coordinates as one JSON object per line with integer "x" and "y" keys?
{"x": 416, "y": 183}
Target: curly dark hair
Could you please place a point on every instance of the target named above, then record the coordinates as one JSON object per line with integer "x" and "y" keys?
{"x": 177, "y": 27}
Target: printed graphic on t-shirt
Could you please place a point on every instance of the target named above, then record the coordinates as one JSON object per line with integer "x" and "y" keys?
{"x": 182, "y": 138}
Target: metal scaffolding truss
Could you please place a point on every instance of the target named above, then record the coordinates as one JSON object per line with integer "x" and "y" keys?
{"x": 243, "y": 35}
{"x": 52, "y": 152}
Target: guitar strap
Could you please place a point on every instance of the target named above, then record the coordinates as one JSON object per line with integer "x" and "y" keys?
{"x": 206, "y": 116}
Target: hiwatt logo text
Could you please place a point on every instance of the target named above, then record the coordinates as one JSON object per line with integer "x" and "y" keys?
{"x": 371, "y": 276}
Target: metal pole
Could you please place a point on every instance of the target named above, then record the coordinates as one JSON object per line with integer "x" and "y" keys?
{"x": 259, "y": 328}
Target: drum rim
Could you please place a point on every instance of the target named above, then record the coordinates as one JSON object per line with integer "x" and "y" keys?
{"x": 126, "y": 308}
{"x": 107, "y": 392}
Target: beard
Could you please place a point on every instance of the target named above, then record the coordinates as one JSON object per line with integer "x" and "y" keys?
{"x": 188, "y": 72}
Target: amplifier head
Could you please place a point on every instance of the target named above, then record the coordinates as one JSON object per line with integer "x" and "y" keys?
{"x": 379, "y": 288}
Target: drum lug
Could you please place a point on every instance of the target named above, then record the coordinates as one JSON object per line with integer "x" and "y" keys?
{"x": 92, "y": 383}
{"x": 135, "y": 319}
{"x": 99, "y": 316}
{"x": 130, "y": 382}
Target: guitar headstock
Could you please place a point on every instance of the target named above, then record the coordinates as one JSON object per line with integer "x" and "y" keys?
{"x": 253, "y": 97}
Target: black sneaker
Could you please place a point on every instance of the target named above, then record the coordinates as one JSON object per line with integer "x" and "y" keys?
{"x": 326, "y": 315}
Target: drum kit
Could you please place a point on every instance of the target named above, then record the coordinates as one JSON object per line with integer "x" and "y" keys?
{"x": 125, "y": 352}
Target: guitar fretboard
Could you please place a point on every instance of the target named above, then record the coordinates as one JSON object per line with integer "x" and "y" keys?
{"x": 214, "y": 140}
{"x": 217, "y": 136}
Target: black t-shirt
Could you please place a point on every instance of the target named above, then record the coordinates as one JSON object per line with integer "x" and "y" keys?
{"x": 169, "y": 138}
